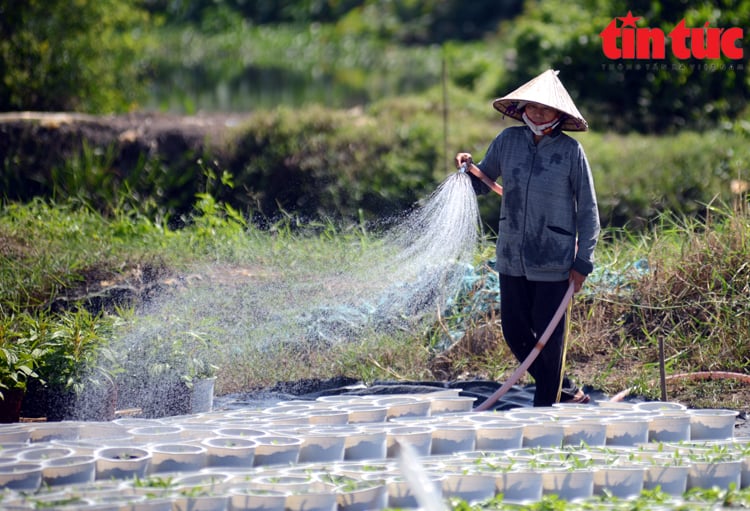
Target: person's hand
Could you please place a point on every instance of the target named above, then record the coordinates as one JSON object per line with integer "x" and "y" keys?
{"x": 462, "y": 158}
{"x": 577, "y": 279}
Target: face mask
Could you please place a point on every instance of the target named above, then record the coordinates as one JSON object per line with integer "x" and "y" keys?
{"x": 541, "y": 129}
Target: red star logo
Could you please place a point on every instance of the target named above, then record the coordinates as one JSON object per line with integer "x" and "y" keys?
{"x": 629, "y": 20}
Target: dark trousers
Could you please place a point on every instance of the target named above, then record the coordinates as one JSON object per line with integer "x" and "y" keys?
{"x": 526, "y": 308}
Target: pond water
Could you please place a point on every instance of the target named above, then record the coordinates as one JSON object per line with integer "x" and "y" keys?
{"x": 191, "y": 90}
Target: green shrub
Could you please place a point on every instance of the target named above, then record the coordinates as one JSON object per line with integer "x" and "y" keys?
{"x": 319, "y": 163}
{"x": 639, "y": 177}
{"x": 79, "y": 55}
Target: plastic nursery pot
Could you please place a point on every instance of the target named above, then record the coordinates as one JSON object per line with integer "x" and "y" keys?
{"x": 199, "y": 499}
{"x": 191, "y": 501}
{"x": 616, "y": 406}
{"x": 362, "y": 495}
{"x": 256, "y": 499}
{"x": 568, "y": 483}
{"x": 155, "y": 486}
{"x": 441, "y": 393}
{"x": 241, "y": 432}
{"x": 282, "y": 481}
{"x": 525, "y": 415}
{"x": 712, "y": 424}
{"x": 202, "y": 395}
{"x": 660, "y": 406}
{"x": 45, "y": 452}
{"x": 289, "y": 408}
{"x": 366, "y": 444}
{"x": 339, "y": 399}
{"x": 400, "y": 495}
{"x": 627, "y": 431}
{"x": 96, "y": 490}
{"x": 543, "y": 434}
{"x": 666, "y": 473}
{"x": 444, "y": 405}
{"x": 584, "y": 431}
{"x": 22, "y": 476}
{"x": 669, "y": 427}
{"x": 405, "y": 406}
{"x": 450, "y": 439}
{"x": 276, "y": 450}
{"x": 69, "y": 470}
{"x": 203, "y": 480}
{"x": 14, "y": 433}
{"x": 230, "y": 452}
{"x": 322, "y": 416}
{"x": 85, "y": 447}
{"x": 149, "y": 504}
{"x": 471, "y": 487}
{"x": 519, "y": 485}
{"x": 121, "y": 462}
{"x": 315, "y": 497}
{"x": 622, "y": 481}
{"x": 321, "y": 444}
{"x": 742, "y": 449}
{"x": 56, "y": 502}
{"x": 367, "y": 468}
{"x": 707, "y": 474}
{"x": 102, "y": 431}
{"x": 177, "y": 458}
{"x": 364, "y": 413}
{"x": 498, "y": 435}
{"x": 155, "y": 434}
{"x": 131, "y": 502}
{"x": 419, "y": 437}
{"x": 45, "y": 432}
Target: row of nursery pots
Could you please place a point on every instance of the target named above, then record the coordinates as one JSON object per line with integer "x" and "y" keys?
{"x": 466, "y": 454}
{"x": 520, "y": 475}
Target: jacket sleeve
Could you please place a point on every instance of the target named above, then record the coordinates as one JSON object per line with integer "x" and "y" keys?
{"x": 587, "y": 217}
{"x": 490, "y": 165}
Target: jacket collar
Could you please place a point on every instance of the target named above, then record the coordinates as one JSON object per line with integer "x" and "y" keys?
{"x": 545, "y": 140}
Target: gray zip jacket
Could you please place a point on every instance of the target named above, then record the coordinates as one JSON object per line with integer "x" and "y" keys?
{"x": 549, "y": 220}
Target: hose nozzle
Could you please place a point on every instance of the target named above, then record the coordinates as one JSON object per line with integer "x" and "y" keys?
{"x": 468, "y": 167}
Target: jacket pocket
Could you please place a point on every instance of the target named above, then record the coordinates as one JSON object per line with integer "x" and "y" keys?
{"x": 553, "y": 252}
{"x": 559, "y": 230}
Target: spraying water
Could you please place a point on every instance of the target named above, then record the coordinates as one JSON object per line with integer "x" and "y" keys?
{"x": 397, "y": 282}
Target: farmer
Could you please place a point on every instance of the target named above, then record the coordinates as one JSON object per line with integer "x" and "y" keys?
{"x": 549, "y": 224}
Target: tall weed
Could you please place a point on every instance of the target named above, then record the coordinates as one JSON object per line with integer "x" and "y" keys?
{"x": 693, "y": 300}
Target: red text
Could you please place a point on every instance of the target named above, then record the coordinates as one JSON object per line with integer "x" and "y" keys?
{"x": 628, "y": 42}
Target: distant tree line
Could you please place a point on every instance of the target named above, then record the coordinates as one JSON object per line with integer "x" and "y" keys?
{"x": 86, "y": 55}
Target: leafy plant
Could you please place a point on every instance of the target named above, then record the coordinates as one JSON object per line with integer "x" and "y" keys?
{"x": 711, "y": 453}
{"x": 186, "y": 356}
{"x": 155, "y": 486}
{"x": 22, "y": 349}
{"x": 79, "y": 352}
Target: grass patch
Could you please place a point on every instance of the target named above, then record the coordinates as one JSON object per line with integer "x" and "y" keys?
{"x": 693, "y": 298}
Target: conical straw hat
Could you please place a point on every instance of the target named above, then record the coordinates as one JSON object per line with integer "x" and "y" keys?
{"x": 545, "y": 89}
